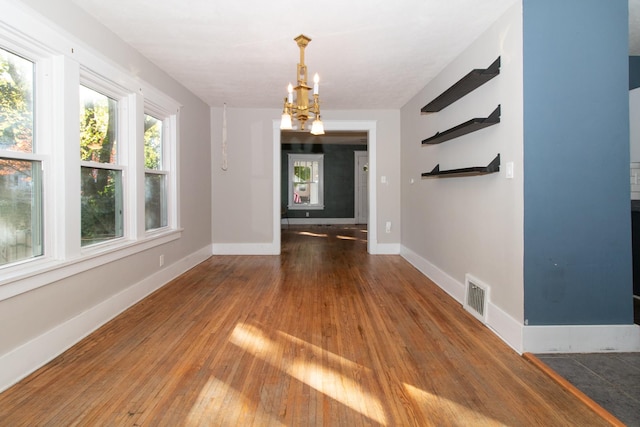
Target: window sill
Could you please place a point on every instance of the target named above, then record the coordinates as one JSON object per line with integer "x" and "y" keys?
{"x": 36, "y": 273}
{"x": 306, "y": 207}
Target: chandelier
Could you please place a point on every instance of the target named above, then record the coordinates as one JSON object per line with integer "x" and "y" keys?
{"x": 300, "y": 109}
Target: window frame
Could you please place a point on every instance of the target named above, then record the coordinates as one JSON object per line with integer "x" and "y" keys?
{"x": 40, "y": 143}
{"x": 292, "y": 159}
{"x": 120, "y": 95}
{"x": 61, "y": 66}
{"x": 169, "y": 138}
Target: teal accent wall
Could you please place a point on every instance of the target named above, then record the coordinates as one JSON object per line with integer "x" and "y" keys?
{"x": 634, "y": 72}
{"x": 577, "y": 227}
{"x": 338, "y": 178}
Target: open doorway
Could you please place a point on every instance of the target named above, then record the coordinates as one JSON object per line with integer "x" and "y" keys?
{"x": 357, "y": 136}
{"x": 323, "y": 182}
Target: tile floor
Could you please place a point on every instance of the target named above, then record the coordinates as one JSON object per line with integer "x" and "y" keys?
{"x": 610, "y": 379}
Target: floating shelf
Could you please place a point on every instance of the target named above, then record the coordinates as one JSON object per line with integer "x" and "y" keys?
{"x": 468, "y": 83}
{"x": 492, "y": 167}
{"x": 465, "y": 128}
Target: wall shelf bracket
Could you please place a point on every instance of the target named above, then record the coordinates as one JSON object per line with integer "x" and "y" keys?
{"x": 492, "y": 167}
{"x": 468, "y": 83}
{"x": 464, "y": 128}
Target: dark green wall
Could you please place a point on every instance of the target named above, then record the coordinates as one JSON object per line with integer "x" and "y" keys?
{"x": 338, "y": 178}
{"x": 634, "y": 72}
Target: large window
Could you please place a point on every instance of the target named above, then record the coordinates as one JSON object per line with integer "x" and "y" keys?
{"x": 101, "y": 177}
{"x": 88, "y": 154}
{"x": 155, "y": 176}
{"x": 306, "y": 190}
{"x": 21, "y": 229}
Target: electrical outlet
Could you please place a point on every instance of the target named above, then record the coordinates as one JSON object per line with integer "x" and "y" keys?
{"x": 388, "y": 227}
{"x": 161, "y": 260}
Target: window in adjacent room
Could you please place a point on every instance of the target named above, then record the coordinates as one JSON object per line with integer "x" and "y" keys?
{"x": 21, "y": 213}
{"x": 101, "y": 175}
{"x": 306, "y": 190}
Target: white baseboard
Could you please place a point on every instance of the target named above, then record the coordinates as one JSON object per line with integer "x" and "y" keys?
{"x": 387, "y": 249}
{"x": 450, "y": 285}
{"x": 30, "y": 356}
{"x": 581, "y": 339}
{"x": 537, "y": 339}
{"x": 504, "y": 326}
{"x": 245, "y": 249}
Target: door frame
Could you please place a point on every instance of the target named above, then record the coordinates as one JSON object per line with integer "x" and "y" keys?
{"x": 357, "y": 154}
{"x": 368, "y": 126}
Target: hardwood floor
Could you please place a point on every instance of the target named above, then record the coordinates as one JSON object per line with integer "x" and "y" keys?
{"x": 324, "y": 334}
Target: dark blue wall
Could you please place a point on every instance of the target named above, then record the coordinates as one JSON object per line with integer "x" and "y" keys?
{"x": 634, "y": 72}
{"x": 577, "y": 227}
{"x": 339, "y": 192}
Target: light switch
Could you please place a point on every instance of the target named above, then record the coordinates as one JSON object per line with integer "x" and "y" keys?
{"x": 383, "y": 179}
{"x": 509, "y": 172}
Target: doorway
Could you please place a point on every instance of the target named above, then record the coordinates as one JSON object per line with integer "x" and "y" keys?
{"x": 366, "y": 127}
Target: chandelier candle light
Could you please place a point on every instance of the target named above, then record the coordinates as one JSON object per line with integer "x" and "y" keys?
{"x": 300, "y": 110}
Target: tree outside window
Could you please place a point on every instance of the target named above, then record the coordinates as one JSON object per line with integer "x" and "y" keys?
{"x": 101, "y": 182}
{"x": 20, "y": 175}
{"x": 306, "y": 181}
{"x": 155, "y": 177}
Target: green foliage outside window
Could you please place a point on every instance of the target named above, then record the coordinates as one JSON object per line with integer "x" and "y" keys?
{"x": 303, "y": 173}
{"x": 20, "y": 194}
{"x": 101, "y": 189}
{"x": 152, "y": 143}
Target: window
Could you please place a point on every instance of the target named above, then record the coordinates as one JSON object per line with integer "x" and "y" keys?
{"x": 306, "y": 181}
{"x": 101, "y": 177}
{"x": 21, "y": 230}
{"x": 83, "y": 182}
{"x": 155, "y": 176}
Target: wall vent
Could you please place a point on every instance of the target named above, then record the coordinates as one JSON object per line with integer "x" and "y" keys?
{"x": 476, "y": 297}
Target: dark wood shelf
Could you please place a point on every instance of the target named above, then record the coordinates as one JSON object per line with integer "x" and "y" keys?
{"x": 465, "y": 128}
{"x": 468, "y": 83}
{"x": 492, "y": 167}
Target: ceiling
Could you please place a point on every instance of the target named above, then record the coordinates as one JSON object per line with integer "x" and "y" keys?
{"x": 370, "y": 54}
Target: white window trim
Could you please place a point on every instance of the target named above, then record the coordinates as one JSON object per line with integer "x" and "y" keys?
{"x": 293, "y": 157}
{"x": 60, "y": 61}
{"x": 120, "y": 94}
{"x": 166, "y": 110}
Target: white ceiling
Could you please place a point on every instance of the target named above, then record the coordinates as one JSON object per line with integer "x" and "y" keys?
{"x": 370, "y": 54}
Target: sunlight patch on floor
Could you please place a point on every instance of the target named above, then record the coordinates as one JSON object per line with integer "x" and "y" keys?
{"x": 438, "y": 407}
{"x": 347, "y": 237}
{"x": 345, "y": 390}
{"x": 308, "y": 233}
{"x": 219, "y": 404}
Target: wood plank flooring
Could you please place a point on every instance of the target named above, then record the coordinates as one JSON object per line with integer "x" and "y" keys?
{"x": 324, "y": 334}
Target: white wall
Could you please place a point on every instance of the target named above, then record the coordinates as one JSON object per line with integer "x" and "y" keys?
{"x": 37, "y": 325}
{"x": 243, "y": 195}
{"x": 455, "y": 226}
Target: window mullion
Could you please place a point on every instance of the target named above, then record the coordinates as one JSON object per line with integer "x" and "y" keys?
{"x": 63, "y": 176}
